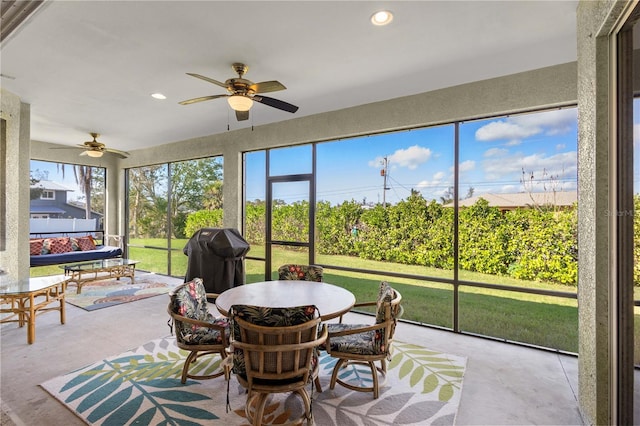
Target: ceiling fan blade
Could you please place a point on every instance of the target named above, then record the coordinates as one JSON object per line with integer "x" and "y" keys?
{"x": 121, "y": 154}
{"x": 267, "y": 86}
{"x": 202, "y": 98}
{"x": 276, "y": 103}
{"x": 242, "y": 115}
{"x": 210, "y": 80}
{"x": 68, "y": 147}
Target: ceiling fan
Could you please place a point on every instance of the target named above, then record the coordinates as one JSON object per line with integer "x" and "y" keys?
{"x": 243, "y": 92}
{"x": 97, "y": 149}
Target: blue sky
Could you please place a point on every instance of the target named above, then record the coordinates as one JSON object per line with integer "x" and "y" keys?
{"x": 493, "y": 155}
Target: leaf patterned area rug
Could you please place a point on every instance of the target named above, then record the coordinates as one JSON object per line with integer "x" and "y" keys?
{"x": 143, "y": 386}
{"x": 111, "y": 291}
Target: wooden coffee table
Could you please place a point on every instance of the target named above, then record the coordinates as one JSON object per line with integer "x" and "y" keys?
{"x": 29, "y": 298}
{"x": 82, "y": 273}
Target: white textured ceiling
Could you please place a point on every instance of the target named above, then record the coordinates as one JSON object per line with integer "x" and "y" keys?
{"x": 91, "y": 66}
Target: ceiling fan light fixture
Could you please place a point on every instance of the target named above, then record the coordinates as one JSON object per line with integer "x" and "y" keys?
{"x": 94, "y": 154}
{"x": 382, "y": 17}
{"x": 240, "y": 103}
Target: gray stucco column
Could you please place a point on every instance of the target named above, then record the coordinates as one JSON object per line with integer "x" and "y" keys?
{"x": 596, "y": 22}
{"x": 14, "y": 259}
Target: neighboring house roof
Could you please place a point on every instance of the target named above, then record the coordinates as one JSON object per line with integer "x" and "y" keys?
{"x": 50, "y": 185}
{"x": 46, "y": 209}
{"x": 523, "y": 199}
{"x": 79, "y": 205}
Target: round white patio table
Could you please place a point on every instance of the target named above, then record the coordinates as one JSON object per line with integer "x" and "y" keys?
{"x": 331, "y": 300}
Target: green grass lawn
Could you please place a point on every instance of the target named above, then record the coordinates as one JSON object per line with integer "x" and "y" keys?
{"x": 539, "y": 320}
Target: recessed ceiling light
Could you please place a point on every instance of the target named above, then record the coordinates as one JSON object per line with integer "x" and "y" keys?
{"x": 382, "y": 17}
{"x": 158, "y": 96}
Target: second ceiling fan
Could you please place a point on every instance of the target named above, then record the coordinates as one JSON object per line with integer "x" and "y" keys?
{"x": 243, "y": 92}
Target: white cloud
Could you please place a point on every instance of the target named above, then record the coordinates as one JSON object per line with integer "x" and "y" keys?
{"x": 559, "y": 165}
{"x": 556, "y": 121}
{"x": 505, "y": 130}
{"x": 509, "y": 189}
{"x": 376, "y": 162}
{"x": 496, "y": 152}
{"x": 410, "y": 158}
{"x": 438, "y": 180}
{"x": 516, "y": 128}
{"x": 636, "y": 133}
{"x": 465, "y": 166}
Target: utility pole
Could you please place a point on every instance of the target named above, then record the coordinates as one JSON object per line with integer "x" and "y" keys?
{"x": 384, "y": 173}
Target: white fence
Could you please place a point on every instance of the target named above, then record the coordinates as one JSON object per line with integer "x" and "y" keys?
{"x": 61, "y": 225}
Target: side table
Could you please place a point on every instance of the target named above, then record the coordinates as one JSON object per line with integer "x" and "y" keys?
{"x": 29, "y": 298}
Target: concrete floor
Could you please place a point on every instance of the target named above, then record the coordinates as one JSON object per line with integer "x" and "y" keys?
{"x": 504, "y": 384}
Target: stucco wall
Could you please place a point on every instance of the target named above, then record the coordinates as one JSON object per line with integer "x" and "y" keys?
{"x": 596, "y": 155}
{"x": 14, "y": 260}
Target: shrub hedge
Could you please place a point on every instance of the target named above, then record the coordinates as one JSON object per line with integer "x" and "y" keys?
{"x": 537, "y": 243}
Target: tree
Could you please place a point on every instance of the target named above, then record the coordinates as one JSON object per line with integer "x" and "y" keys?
{"x": 84, "y": 178}
{"x": 549, "y": 184}
{"x": 470, "y": 192}
{"x": 83, "y": 175}
{"x": 146, "y": 186}
{"x": 213, "y": 196}
{"x": 447, "y": 196}
{"x": 194, "y": 185}
{"x": 35, "y": 177}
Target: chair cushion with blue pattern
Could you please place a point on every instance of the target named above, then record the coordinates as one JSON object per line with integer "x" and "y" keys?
{"x": 365, "y": 343}
{"x": 368, "y": 342}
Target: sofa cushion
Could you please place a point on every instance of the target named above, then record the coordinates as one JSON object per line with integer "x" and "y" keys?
{"x": 86, "y": 243}
{"x": 60, "y": 245}
{"x": 101, "y": 252}
{"x": 35, "y": 247}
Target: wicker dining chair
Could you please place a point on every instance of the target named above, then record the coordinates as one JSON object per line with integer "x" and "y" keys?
{"x": 196, "y": 329}
{"x": 275, "y": 351}
{"x": 293, "y": 271}
{"x": 362, "y": 344}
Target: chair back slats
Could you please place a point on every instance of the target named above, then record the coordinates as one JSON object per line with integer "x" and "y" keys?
{"x": 277, "y": 353}
{"x": 275, "y": 346}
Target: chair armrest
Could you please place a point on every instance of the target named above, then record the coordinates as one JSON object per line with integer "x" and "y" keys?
{"x": 361, "y": 304}
{"x": 114, "y": 240}
{"x": 324, "y": 335}
{"x": 213, "y": 296}
{"x": 358, "y": 330}
{"x": 199, "y": 323}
